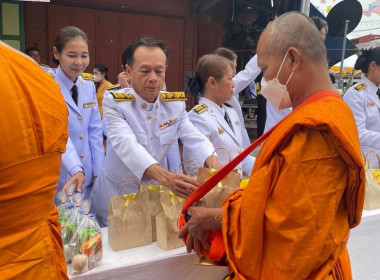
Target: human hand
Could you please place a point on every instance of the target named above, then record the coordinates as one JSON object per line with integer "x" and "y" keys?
{"x": 181, "y": 184}
{"x": 198, "y": 228}
{"x": 124, "y": 80}
{"x": 77, "y": 179}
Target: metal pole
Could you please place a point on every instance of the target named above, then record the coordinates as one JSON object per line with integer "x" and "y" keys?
{"x": 305, "y": 7}
{"x": 343, "y": 53}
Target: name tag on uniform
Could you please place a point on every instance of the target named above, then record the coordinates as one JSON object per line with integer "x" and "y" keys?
{"x": 89, "y": 104}
{"x": 169, "y": 123}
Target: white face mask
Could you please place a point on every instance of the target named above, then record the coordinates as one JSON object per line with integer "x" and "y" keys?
{"x": 276, "y": 93}
{"x": 96, "y": 78}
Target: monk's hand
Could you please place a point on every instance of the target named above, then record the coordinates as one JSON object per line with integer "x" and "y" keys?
{"x": 77, "y": 179}
{"x": 198, "y": 228}
{"x": 181, "y": 185}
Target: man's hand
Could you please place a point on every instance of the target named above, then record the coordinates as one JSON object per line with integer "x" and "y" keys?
{"x": 179, "y": 184}
{"x": 77, "y": 179}
{"x": 124, "y": 80}
{"x": 203, "y": 221}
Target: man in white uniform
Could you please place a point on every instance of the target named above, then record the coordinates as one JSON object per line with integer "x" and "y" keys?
{"x": 142, "y": 124}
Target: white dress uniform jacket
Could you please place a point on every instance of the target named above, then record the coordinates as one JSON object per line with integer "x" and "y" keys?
{"x": 140, "y": 134}
{"x": 365, "y": 105}
{"x": 84, "y": 149}
{"x": 241, "y": 81}
{"x": 212, "y": 124}
{"x": 274, "y": 115}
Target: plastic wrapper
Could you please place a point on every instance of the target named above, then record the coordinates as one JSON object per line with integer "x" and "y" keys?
{"x": 71, "y": 226}
{"x": 70, "y": 195}
{"x": 86, "y": 243}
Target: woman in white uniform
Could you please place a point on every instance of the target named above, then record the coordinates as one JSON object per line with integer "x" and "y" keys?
{"x": 364, "y": 100}
{"x": 216, "y": 119}
{"x": 83, "y": 159}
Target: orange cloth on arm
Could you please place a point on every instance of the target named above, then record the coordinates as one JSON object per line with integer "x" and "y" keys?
{"x": 100, "y": 94}
{"x": 34, "y": 133}
{"x": 306, "y": 190}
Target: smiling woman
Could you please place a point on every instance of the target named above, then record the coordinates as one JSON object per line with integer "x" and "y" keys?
{"x": 84, "y": 152}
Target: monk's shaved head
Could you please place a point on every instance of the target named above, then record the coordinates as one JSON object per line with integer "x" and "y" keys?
{"x": 294, "y": 29}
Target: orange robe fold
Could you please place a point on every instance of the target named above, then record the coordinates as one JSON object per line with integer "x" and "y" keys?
{"x": 33, "y": 129}
{"x": 306, "y": 191}
{"x": 100, "y": 94}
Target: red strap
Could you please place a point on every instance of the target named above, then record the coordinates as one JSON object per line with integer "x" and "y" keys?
{"x": 204, "y": 188}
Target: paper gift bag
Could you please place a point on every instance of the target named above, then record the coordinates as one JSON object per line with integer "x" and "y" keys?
{"x": 372, "y": 184}
{"x": 155, "y": 207}
{"x": 166, "y": 221}
{"x": 215, "y": 197}
{"x": 129, "y": 221}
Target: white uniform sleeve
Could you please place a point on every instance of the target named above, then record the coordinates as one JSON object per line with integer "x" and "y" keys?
{"x": 70, "y": 159}
{"x": 194, "y": 141}
{"x": 135, "y": 157}
{"x": 357, "y": 103}
{"x": 246, "y": 76}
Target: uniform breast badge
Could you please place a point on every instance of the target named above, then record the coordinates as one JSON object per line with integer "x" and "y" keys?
{"x": 168, "y": 123}
{"x": 89, "y": 104}
{"x": 370, "y": 104}
{"x": 220, "y": 130}
{"x": 237, "y": 123}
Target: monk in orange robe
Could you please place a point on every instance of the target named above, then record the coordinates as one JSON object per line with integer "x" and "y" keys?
{"x": 33, "y": 130}
{"x": 306, "y": 190}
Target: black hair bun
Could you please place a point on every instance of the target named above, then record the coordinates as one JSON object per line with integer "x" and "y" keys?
{"x": 193, "y": 85}
{"x": 361, "y": 61}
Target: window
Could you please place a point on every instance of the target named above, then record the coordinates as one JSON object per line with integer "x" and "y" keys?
{"x": 12, "y": 24}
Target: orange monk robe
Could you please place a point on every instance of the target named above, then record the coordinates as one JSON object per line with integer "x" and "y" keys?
{"x": 33, "y": 129}
{"x": 306, "y": 191}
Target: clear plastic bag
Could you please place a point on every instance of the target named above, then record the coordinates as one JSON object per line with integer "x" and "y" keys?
{"x": 71, "y": 226}
{"x": 86, "y": 243}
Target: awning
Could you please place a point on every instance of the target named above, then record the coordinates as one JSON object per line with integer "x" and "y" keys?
{"x": 334, "y": 46}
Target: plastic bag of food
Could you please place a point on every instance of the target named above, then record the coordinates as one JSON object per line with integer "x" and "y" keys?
{"x": 86, "y": 243}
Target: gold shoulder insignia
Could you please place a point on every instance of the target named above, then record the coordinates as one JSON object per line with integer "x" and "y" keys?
{"x": 200, "y": 108}
{"x": 44, "y": 65}
{"x": 360, "y": 87}
{"x": 121, "y": 96}
{"x": 173, "y": 96}
{"x": 50, "y": 74}
{"x": 87, "y": 76}
{"x": 113, "y": 87}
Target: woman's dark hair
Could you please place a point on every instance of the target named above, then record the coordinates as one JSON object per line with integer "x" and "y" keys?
{"x": 320, "y": 23}
{"x": 65, "y": 34}
{"x": 129, "y": 52}
{"x": 366, "y": 58}
{"x": 227, "y": 53}
{"x": 209, "y": 65}
{"x": 102, "y": 69}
